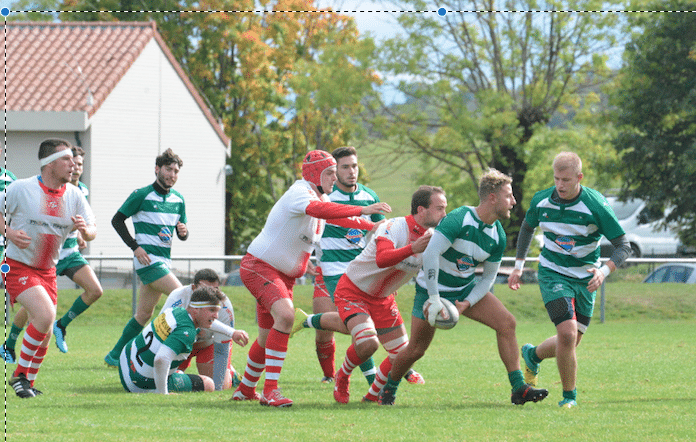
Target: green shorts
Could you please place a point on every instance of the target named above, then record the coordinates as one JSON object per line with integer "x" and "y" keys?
{"x": 176, "y": 383}
{"x": 153, "y": 272}
{"x": 331, "y": 282}
{"x": 553, "y": 285}
{"x": 422, "y": 296}
{"x": 73, "y": 260}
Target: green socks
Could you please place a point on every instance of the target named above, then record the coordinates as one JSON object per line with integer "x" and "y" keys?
{"x": 11, "y": 341}
{"x": 368, "y": 369}
{"x": 391, "y": 384}
{"x": 570, "y": 394}
{"x": 78, "y": 307}
{"x": 516, "y": 379}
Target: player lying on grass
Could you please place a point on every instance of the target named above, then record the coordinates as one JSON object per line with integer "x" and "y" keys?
{"x": 213, "y": 348}
{"x": 149, "y": 362}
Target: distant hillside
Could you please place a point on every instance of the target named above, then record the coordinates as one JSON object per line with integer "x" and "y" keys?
{"x": 391, "y": 175}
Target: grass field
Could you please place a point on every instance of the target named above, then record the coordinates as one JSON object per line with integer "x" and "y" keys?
{"x": 635, "y": 383}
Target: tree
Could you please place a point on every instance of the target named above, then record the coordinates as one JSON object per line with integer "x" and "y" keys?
{"x": 271, "y": 75}
{"x": 656, "y": 113}
{"x": 481, "y": 83}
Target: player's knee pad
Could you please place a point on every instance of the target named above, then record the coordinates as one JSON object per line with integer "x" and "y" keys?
{"x": 363, "y": 333}
{"x": 394, "y": 346}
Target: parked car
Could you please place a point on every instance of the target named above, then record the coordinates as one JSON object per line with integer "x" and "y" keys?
{"x": 673, "y": 272}
{"x": 643, "y": 230}
{"x": 233, "y": 279}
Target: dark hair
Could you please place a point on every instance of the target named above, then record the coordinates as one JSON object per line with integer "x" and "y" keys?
{"x": 344, "y": 151}
{"x": 78, "y": 151}
{"x": 208, "y": 294}
{"x": 421, "y": 197}
{"x": 48, "y": 147}
{"x": 209, "y": 275}
{"x": 168, "y": 157}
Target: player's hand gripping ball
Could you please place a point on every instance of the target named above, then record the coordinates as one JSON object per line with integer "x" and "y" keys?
{"x": 440, "y": 322}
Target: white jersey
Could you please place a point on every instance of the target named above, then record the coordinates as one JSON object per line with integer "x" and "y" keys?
{"x": 382, "y": 282}
{"x": 44, "y": 214}
{"x": 289, "y": 236}
{"x": 181, "y": 297}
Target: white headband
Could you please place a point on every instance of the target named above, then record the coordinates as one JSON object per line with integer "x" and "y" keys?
{"x": 54, "y": 156}
{"x": 202, "y": 304}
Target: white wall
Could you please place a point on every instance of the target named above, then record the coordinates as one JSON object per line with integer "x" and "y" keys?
{"x": 129, "y": 130}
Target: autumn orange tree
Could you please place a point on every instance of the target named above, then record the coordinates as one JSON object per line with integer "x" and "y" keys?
{"x": 283, "y": 76}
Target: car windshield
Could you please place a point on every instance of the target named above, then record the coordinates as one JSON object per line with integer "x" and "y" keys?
{"x": 624, "y": 209}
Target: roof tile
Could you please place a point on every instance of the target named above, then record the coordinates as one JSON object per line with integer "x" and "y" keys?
{"x": 51, "y": 66}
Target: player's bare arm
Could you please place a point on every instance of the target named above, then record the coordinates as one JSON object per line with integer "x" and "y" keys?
{"x": 142, "y": 256}
{"x": 240, "y": 337}
{"x": 18, "y": 237}
{"x": 421, "y": 243}
{"x": 87, "y": 231}
{"x": 376, "y": 208}
{"x": 181, "y": 229}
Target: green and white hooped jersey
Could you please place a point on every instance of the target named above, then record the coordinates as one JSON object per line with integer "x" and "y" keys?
{"x": 154, "y": 217}
{"x": 6, "y": 177}
{"x": 339, "y": 245}
{"x": 473, "y": 242}
{"x": 172, "y": 328}
{"x": 70, "y": 244}
{"x": 572, "y": 231}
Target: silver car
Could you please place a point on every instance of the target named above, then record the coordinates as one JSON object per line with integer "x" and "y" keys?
{"x": 643, "y": 230}
{"x": 673, "y": 272}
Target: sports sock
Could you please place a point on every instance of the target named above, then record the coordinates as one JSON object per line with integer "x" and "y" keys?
{"x": 326, "y": 353}
{"x": 130, "y": 331}
{"x": 11, "y": 341}
{"x": 533, "y": 356}
{"x": 368, "y": 369}
{"x": 380, "y": 380}
{"x": 30, "y": 346}
{"x": 313, "y": 321}
{"x": 516, "y": 379}
{"x": 392, "y": 384}
{"x": 256, "y": 362}
{"x": 36, "y": 362}
{"x": 573, "y": 394}
{"x": 78, "y": 307}
{"x": 351, "y": 361}
{"x": 276, "y": 351}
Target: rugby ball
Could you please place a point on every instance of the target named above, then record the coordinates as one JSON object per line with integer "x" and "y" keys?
{"x": 440, "y": 322}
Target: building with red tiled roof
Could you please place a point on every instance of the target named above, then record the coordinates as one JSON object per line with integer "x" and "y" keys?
{"x": 115, "y": 89}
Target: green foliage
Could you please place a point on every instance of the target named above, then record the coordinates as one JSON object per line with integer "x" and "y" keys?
{"x": 34, "y": 10}
{"x": 656, "y": 108}
{"x": 626, "y": 390}
{"x": 480, "y": 85}
{"x": 271, "y": 75}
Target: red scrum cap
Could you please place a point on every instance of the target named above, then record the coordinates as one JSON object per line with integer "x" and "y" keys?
{"x": 314, "y": 164}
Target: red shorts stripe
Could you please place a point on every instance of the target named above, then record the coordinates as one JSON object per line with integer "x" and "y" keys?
{"x": 320, "y": 290}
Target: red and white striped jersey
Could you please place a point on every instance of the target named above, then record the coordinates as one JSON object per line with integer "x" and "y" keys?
{"x": 381, "y": 282}
{"x": 44, "y": 214}
{"x": 289, "y": 236}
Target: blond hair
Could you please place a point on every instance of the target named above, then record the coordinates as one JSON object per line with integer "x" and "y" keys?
{"x": 567, "y": 160}
{"x": 491, "y": 182}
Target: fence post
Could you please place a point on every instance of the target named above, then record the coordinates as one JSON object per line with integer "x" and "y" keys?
{"x": 602, "y": 299}
{"x": 135, "y": 285}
